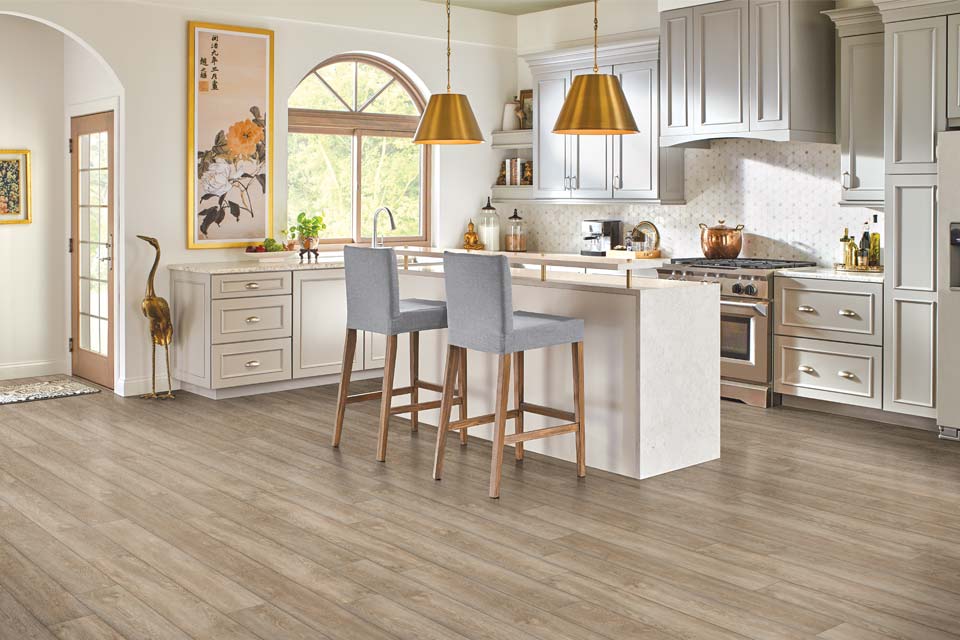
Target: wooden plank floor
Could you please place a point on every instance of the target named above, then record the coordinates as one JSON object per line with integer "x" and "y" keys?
{"x": 121, "y": 518}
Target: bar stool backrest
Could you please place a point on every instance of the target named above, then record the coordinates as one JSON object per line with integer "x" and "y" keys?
{"x": 479, "y": 301}
{"x": 373, "y": 288}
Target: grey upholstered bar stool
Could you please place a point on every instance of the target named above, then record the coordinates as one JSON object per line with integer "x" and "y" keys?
{"x": 480, "y": 316}
{"x": 374, "y": 304}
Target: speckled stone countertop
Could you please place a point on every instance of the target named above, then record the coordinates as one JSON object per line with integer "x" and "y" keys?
{"x": 254, "y": 266}
{"x": 826, "y": 273}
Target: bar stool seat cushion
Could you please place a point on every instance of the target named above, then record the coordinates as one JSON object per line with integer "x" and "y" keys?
{"x": 419, "y": 315}
{"x": 539, "y": 330}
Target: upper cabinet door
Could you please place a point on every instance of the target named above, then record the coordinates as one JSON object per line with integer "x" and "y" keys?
{"x": 551, "y": 174}
{"x": 915, "y": 93}
{"x": 861, "y": 122}
{"x": 676, "y": 61}
{"x": 591, "y": 174}
{"x": 769, "y": 64}
{"x": 720, "y": 68}
{"x": 636, "y": 166}
{"x": 953, "y": 69}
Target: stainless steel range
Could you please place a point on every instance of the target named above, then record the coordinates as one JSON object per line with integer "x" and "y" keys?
{"x": 746, "y": 325}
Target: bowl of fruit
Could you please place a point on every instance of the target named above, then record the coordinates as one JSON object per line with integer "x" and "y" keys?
{"x": 269, "y": 251}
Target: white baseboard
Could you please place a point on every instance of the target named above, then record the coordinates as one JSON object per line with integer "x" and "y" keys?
{"x": 271, "y": 387}
{"x": 128, "y": 387}
{"x": 14, "y": 370}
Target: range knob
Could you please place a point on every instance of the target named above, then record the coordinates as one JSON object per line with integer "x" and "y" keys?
{"x": 750, "y": 289}
{"x": 736, "y": 288}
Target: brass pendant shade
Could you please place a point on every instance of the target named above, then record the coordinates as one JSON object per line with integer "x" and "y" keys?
{"x": 595, "y": 105}
{"x": 448, "y": 119}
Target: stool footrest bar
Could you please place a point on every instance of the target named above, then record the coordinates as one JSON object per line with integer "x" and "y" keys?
{"x": 546, "y": 432}
{"x": 549, "y": 412}
{"x": 419, "y": 406}
{"x": 478, "y": 421}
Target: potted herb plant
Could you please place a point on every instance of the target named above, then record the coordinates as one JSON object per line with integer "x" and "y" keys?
{"x": 307, "y": 230}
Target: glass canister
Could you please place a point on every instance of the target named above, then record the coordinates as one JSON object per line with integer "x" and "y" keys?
{"x": 516, "y": 238}
{"x": 488, "y": 227}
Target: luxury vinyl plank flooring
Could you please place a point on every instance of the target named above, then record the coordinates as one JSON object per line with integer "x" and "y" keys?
{"x": 195, "y": 519}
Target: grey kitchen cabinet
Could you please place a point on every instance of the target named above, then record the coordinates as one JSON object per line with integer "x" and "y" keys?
{"x": 914, "y": 93}
{"x": 862, "y": 167}
{"x": 676, "y": 67}
{"x": 603, "y": 168}
{"x": 953, "y": 68}
{"x": 720, "y": 67}
{"x": 551, "y": 162}
{"x": 319, "y": 324}
{"x": 910, "y": 292}
{"x": 760, "y": 69}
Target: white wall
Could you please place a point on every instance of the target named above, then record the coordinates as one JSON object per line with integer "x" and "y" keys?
{"x": 85, "y": 78}
{"x": 33, "y": 256}
{"x": 145, "y": 45}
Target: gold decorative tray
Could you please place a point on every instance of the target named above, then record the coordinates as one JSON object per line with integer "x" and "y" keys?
{"x": 878, "y": 268}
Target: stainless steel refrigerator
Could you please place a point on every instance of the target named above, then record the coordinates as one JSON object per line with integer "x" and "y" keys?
{"x": 948, "y": 286}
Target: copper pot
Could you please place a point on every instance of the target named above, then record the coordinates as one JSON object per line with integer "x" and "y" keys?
{"x": 721, "y": 241}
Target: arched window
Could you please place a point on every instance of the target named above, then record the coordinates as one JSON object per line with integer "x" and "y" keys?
{"x": 351, "y": 121}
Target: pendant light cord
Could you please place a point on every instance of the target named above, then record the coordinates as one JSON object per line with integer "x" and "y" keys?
{"x": 596, "y": 26}
{"x": 448, "y": 46}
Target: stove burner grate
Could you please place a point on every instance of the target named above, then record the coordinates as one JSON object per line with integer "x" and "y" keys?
{"x": 743, "y": 263}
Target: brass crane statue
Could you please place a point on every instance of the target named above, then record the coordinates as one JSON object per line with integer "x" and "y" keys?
{"x": 157, "y": 312}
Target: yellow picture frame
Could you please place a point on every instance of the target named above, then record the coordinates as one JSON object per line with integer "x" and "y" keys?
{"x": 27, "y": 186}
{"x": 193, "y": 179}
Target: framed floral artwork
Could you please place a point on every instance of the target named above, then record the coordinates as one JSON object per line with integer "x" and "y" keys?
{"x": 15, "y": 203}
{"x": 230, "y": 136}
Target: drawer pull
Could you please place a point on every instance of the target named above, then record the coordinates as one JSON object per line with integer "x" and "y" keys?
{"x": 252, "y": 364}
{"x": 806, "y": 369}
{"x": 804, "y": 308}
{"x": 846, "y": 375}
{"x": 847, "y": 313}
{"x": 251, "y": 285}
{"x": 253, "y": 319}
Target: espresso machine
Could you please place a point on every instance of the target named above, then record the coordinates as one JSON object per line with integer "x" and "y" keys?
{"x": 599, "y": 236}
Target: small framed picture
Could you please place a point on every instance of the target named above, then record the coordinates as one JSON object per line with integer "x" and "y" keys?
{"x": 526, "y": 104}
{"x": 15, "y": 202}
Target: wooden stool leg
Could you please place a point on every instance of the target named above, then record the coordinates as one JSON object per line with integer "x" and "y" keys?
{"x": 414, "y": 377}
{"x": 349, "y": 348}
{"x": 450, "y": 375}
{"x": 578, "y": 410}
{"x": 386, "y": 395}
{"x": 518, "y": 398}
{"x": 462, "y": 384}
{"x": 500, "y": 424}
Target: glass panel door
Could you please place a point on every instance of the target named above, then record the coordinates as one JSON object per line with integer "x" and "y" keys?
{"x": 93, "y": 247}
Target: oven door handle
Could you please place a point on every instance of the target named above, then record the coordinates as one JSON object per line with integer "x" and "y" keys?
{"x": 759, "y": 307}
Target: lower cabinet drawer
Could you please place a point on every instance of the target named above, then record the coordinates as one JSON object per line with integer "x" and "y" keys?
{"x": 244, "y": 319}
{"x": 827, "y": 370}
{"x": 244, "y": 363}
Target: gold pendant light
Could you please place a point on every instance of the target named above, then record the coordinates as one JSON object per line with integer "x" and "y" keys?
{"x": 448, "y": 118}
{"x": 595, "y": 105}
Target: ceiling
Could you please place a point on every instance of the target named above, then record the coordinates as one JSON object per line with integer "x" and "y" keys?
{"x": 512, "y": 7}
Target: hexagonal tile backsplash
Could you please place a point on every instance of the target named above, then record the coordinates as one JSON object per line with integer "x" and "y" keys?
{"x": 785, "y": 195}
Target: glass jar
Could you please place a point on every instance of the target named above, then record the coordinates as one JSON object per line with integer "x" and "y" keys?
{"x": 488, "y": 227}
{"x": 516, "y": 238}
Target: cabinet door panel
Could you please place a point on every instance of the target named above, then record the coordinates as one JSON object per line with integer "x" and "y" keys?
{"x": 591, "y": 171}
{"x": 374, "y": 350}
{"x": 720, "y": 67}
{"x": 910, "y": 354}
{"x": 551, "y": 162}
{"x": 636, "y": 161}
{"x": 915, "y": 96}
{"x": 911, "y": 224}
{"x": 676, "y": 60}
{"x": 861, "y": 122}
{"x": 953, "y": 70}
{"x": 319, "y": 324}
{"x": 769, "y": 64}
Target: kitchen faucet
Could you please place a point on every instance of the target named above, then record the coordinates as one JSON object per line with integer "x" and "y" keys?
{"x": 393, "y": 225}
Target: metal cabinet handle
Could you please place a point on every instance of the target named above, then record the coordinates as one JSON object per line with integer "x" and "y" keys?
{"x": 846, "y": 375}
{"x": 847, "y": 313}
{"x": 617, "y": 183}
{"x": 806, "y": 369}
{"x": 251, "y": 285}
{"x": 253, "y": 319}
{"x": 252, "y": 364}
{"x": 805, "y": 309}
{"x": 845, "y": 181}
{"x": 566, "y": 183}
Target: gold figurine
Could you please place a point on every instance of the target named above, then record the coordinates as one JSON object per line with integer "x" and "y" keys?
{"x": 157, "y": 311}
{"x": 470, "y": 239}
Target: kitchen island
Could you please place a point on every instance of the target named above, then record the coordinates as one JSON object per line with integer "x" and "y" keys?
{"x": 652, "y": 371}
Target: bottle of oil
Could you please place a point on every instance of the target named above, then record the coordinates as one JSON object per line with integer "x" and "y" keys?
{"x": 863, "y": 257}
{"x": 875, "y": 246}
{"x": 846, "y": 253}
